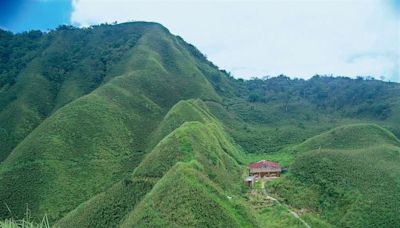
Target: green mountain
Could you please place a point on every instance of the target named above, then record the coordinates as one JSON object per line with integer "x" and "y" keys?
{"x": 127, "y": 124}
{"x": 201, "y": 142}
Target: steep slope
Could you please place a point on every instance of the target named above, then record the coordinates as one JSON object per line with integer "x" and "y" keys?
{"x": 185, "y": 197}
{"x": 68, "y": 158}
{"x": 183, "y": 111}
{"x": 349, "y": 175}
{"x": 42, "y": 72}
{"x": 205, "y": 143}
{"x": 200, "y": 138}
{"x": 96, "y": 124}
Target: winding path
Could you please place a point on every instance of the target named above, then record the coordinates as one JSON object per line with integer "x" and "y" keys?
{"x": 292, "y": 212}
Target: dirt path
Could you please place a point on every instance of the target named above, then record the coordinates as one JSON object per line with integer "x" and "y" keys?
{"x": 291, "y": 212}
{"x": 264, "y": 191}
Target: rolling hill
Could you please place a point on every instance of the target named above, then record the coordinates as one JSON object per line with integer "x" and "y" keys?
{"x": 205, "y": 155}
{"x": 349, "y": 175}
{"x": 68, "y": 151}
{"x": 128, "y": 124}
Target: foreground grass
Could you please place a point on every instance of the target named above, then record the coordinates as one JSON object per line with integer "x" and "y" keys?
{"x": 25, "y": 223}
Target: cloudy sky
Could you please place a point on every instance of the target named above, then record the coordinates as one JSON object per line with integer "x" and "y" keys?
{"x": 298, "y": 38}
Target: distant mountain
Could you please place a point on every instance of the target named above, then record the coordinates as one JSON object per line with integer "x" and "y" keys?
{"x": 116, "y": 125}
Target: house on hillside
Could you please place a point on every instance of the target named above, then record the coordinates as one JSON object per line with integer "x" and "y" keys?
{"x": 265, "y": 169}
{"x": 262, "y": 170}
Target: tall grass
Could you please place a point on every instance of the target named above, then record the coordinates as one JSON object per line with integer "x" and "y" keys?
{"x": 26, "y": 222}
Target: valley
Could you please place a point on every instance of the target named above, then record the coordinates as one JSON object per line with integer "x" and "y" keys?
{"x": 128, "y": 125}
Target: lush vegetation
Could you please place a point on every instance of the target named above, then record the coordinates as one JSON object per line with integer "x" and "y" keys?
{"x": 209, "y": 157}
{"x": 69, "y": 158}
{"x": 291, "y": 111}
{"x": 349, "y": 176}
{"x": 124, "y": 124}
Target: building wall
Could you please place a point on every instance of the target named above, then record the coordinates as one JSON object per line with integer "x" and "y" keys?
{"x": 268, "y": 174}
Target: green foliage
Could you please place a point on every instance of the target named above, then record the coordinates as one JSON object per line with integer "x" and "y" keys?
{"x": 348, "y": 175}
{"x": 43, "y": 72}
{"x": 277, "y": 216}
{"x": 203, "y": 143}
{"x": 186, "y": 197}
{"x": 350, "y": 98}
{"x": 266, "y": 115}
{"x": 92, "y": 142}
{"x": 350, "y": 137}
{"x": 183, "y": 111}
{"x": 110, "y": 207}
{"x": 10, "y": 223}
{"x": 26, "y": 222}
{"x": 116, "y": 124}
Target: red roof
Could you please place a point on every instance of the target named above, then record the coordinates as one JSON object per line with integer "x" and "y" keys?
{"x": 264, "y": 163}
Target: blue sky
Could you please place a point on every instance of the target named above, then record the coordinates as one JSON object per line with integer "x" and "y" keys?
{"x": 298, "y": 38}
{"x": 23, "y": 15}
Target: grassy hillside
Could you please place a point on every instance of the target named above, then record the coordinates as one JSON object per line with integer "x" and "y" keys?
{"x": 186, "y": 197}
{"x": 98, "y": 125}
{"x": 350, "y": 137}
{"x": 183, "y": 111}
{"x": 201, "y": 140}
{"x": 68, "y": 158}
{"x": 349, "y": 176}
{"x": 267, "y": 115}
{"x": 42, "y": 72}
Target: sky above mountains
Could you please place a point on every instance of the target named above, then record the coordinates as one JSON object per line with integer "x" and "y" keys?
{"x": 298, "y": 38}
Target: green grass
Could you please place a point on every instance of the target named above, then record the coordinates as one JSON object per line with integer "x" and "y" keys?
{"x": 263, "y": 129}
{"x": 107, "y": 209}
{"x": 350, "y": 137}
{"x": 351, "y": 181}
{"x": 277, "y": 216}
{"x": 186, "y": 197}
{"x": 267, "y": 127}
{"x": 96, "y": 125}
{"x": 91, "y": 143}
{"x": 315, "y": 221}
{"x": 10, "y": 223}
{"x": 270, "y": 213}
{"x": 26, "y": 222}
{"x": 62, "y": 66}
{"x": 203, "y": 142}
{"x": 183, "y": 111}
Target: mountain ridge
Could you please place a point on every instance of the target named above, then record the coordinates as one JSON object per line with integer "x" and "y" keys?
{"x": 98, "y": 123}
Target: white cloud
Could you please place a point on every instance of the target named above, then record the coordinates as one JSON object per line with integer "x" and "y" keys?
{"x": 256, "y": 38}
